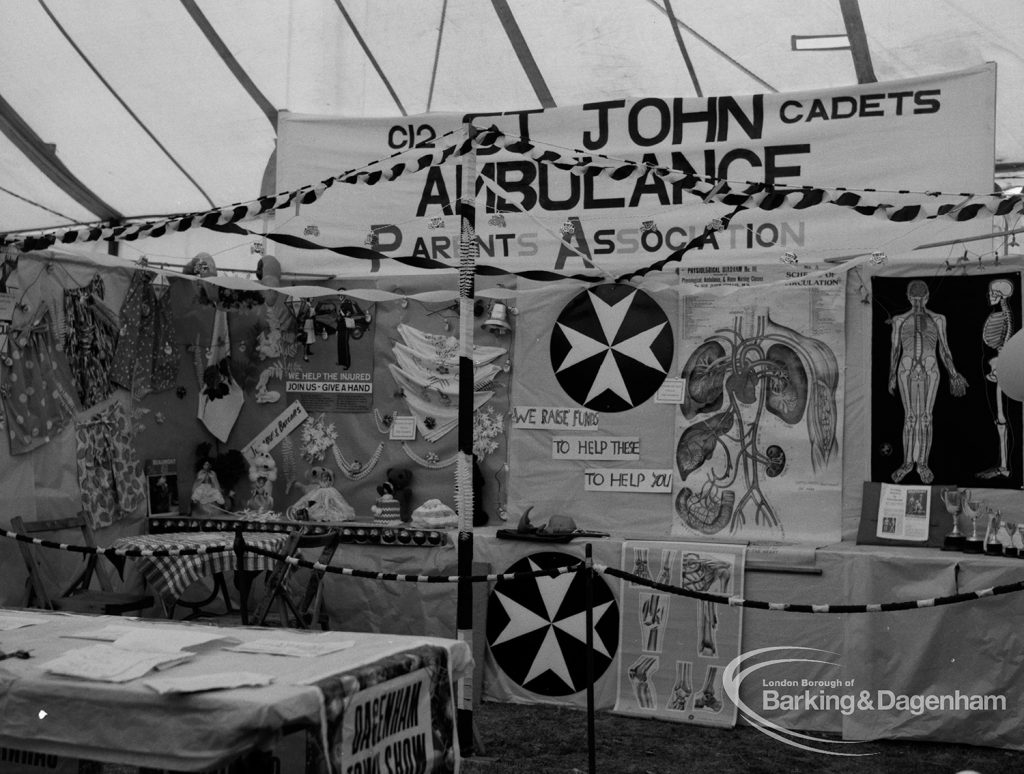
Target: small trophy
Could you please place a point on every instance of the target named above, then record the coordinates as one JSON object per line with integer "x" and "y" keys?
{"x": 1009, "y": 539}
{"x": 993, "y": 545}
{"x": 975, "y": 543}
{"x": 953, "y": 499}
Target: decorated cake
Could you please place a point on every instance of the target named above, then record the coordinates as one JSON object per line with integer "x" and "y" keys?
{"x": 387, "y": 511}
{"x": 434, "y": 514}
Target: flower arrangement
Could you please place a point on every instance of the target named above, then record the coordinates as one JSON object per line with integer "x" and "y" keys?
{"x": 487, "y": 426}
{"x": 318, "y": 437}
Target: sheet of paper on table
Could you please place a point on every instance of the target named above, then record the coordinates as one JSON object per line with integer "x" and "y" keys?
{"x": 162, "y": 639}
{"x": 8, "y": 622}
{"x": 199, "y": 683}
{"x": 153, "y": 638}
{"x": 106, "y": 634}
{"x": 111, "y": 664}
{"x": 300, "y": 648}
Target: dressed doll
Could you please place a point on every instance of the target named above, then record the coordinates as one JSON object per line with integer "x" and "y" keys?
{"x": 206, "y": 492}
{"x": 322, "y": 502}
{"x": 262, "y": 474}
{"x": 307, "y": 318}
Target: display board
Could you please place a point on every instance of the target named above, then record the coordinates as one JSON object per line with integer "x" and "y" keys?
{"x": 587, "y": 436}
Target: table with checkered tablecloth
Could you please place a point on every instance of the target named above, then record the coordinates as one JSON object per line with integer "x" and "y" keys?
{"x": 170, "y": 576}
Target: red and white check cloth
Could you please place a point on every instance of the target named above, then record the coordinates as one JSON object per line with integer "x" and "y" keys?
{"x": 170, "y": 576}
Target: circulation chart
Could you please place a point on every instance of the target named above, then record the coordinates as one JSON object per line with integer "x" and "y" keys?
{"x": 611, "y": 347}
{"x": 536, "y": 627}
{"x": 757, "y": 435}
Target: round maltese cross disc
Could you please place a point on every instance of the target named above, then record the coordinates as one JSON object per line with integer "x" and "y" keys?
{"x": 611, "y": 347}
{"x": 536, "y": 627}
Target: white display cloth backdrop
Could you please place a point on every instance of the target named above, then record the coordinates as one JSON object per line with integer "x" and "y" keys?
{"x": 545, "y": 417}
{"x": 796, "y": 404}
{"x": 924, "y": 134}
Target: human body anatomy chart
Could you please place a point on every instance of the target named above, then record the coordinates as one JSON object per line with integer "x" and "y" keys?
{"x": 757, "y": 434}
{"x": 938, "y": 415}
{"x": 673, "y": 648}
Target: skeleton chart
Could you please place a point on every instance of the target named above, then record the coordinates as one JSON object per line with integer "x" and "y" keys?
{"x": 673, "y": 648}
{"x": 757, "y": 433}
{"x": 938, "y": 416}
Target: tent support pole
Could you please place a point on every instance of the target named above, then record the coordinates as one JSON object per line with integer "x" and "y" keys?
{"x": 588, "y": 574}
{"x": 464, "y": 465}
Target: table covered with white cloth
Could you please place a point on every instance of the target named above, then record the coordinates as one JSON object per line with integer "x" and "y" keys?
{"x": 130, "y": 723}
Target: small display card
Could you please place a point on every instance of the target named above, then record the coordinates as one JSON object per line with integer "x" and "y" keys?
{"x": 903, "y": 512}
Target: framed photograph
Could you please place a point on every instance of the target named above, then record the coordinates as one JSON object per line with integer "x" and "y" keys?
{"x": 162, "y": 487}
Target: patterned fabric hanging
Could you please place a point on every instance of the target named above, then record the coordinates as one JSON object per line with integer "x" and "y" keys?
{"x": 36, "y": 386}
{"x": 109, "y": 472}
{"x": 146, "y": 357}
{"x": 90, "y": 333}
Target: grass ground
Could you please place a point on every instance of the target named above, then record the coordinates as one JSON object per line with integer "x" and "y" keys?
{"x": 535, "y": 739}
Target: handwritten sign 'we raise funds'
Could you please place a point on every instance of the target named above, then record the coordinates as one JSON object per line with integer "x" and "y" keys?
{"x": 554, "y": 418}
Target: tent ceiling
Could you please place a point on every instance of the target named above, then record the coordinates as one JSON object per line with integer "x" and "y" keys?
{"x": 117, "y": 108}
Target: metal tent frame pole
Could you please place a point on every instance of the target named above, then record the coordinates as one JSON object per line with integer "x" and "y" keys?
{"x": 468, "y": 250}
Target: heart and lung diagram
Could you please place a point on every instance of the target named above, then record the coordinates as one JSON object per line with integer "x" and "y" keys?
{"x": 734, "y": 380}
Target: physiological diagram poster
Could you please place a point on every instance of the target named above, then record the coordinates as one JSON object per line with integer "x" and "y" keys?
{"x": 673, "y": 648}
{"x": 757, "y": 452}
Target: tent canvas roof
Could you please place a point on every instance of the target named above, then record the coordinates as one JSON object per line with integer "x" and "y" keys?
{"x": 119, "y": 109}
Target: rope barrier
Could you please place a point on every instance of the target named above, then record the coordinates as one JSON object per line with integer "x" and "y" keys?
{"x": 799, "y": 607}
{"x": 393, "y": 576}
{"x": 108, "y": 552}
{"x": 718, "y": 599}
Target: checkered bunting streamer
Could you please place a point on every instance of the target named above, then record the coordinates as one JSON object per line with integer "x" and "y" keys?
{"x": 219, "y": 217}
{"x": 482, "y": 270}
{"x": 719, "y": 224}
{"x": 755, "y": 195}
{"x": 745, "y": 194}
{"x": 366, "y": 254}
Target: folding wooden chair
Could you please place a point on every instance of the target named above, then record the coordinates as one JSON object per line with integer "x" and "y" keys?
{"x": 308, "y": 609}
{"x": 77, "y": 596}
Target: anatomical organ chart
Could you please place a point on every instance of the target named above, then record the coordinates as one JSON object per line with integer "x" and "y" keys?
{"x": 938, "y": 413}
{"x": 757, "y": 452}
{"x": 673, "y": 648}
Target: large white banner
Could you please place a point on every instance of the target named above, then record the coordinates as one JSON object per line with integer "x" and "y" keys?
{"x": 931, "y": 134}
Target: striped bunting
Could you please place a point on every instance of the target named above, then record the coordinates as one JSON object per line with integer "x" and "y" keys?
{"x": 747, "y": 194}
{"x": 222, "y": 216}
{"x": 756, "y": 195}
{"x": 366, "y": 254}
